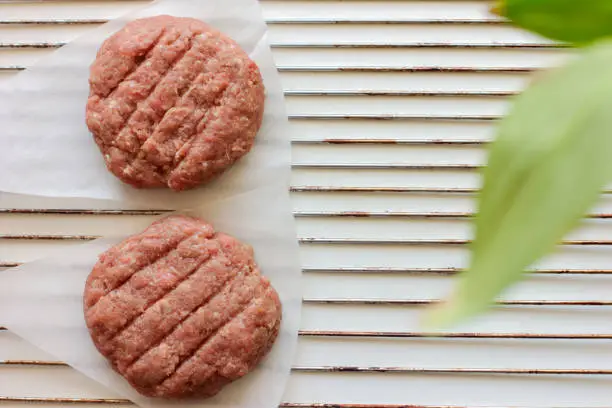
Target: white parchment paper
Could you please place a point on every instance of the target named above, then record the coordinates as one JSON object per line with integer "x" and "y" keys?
{"x": 46, "y": 148}
{"x": 42, "y": 301}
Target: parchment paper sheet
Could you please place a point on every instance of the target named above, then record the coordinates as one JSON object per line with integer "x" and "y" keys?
{"x": 42, "y": 301}
{"x": 45, "y": 149}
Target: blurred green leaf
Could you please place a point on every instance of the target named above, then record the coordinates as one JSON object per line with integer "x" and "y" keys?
{"x": 574, "y": 21}
{"x": 547, "y": 166}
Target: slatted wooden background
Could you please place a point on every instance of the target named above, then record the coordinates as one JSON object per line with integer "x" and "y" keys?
{"x": 391, "y": 103}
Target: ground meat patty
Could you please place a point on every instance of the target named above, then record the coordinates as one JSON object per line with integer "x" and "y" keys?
{"x": 181, "y": 310}
{"x": 173, "y": 102}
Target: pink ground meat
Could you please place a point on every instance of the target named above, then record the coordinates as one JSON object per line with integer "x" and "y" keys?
{"x": 181, "y": 310}
{"x": 173, "y": 103}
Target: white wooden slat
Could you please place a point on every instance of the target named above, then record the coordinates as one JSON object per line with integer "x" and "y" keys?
{"x": 338, "y": 107}
{"x": 25, "y": 33}
{"x": 500, "y": 58}
{"x": 50, "y": 10}
{"x": 400, "y": 81}
{"x": 385, "y": 202}
{"x": 369, "y": 388}
{"x": 359, "y": 10}
{"x": 21, "y": 57}
{"x": 307, "y": 201}
{"x": 369, "y": 228}
{"x": 364, "y": 352}
{"x": 279, "y": 9}
{"x": 468, "y": 353}
{"x": 393, "y": 82}
{"x": 375, "y": 271}
{"x": 313, "y": 202}
{"x": 12, "y": 402}
{"x": 381, "y": 318}
{"x": 391, "y": 130}
{"x": 334, "y": 227}
{"x": 386, "y": 178}
{"x": 381, "y": 286}
{"x": 17, "y": 251}
{"x": 314, "y": 33}
{"x": 475, "y": 391}
{"x": 71, "y": 224}
{"x": 16, "y": 404}
{"x": 391, "y": 154}
{"x": 49, "y": 382}
{"x": 477, "y": 58}
{"x": 372, "y": 388}
{"x": 397, "y": 81}
{"x": 442, "y": 256}
{"x": 417, "y": 106}
{"x": 382, "y": 388}
{"x": 360, "y": 255}
{"x": 405, "y": 286}
{"x": 12, "y": 347}
{"x": 400, "y": 33}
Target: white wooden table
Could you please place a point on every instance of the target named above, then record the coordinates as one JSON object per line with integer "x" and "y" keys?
{"x": 382, "y": 209}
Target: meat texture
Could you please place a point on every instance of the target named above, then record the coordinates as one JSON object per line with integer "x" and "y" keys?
{"x": 181, "y": 310}
{"x": 173, "y": 103}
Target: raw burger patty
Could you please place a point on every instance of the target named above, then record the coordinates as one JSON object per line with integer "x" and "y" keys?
{"x": 173, "y": 102}
{"x": 181, "y": 310}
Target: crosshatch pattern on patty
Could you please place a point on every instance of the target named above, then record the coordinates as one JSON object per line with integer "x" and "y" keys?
{"x": 181, "y": 310}
{"x": 173, "y": 103}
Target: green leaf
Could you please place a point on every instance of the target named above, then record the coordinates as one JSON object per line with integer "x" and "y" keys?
{"x": 574, "y": 21}
{"x": 546, "y": 168}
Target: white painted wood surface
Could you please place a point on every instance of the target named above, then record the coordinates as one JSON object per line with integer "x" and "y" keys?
{"x": 336, "y": 184}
